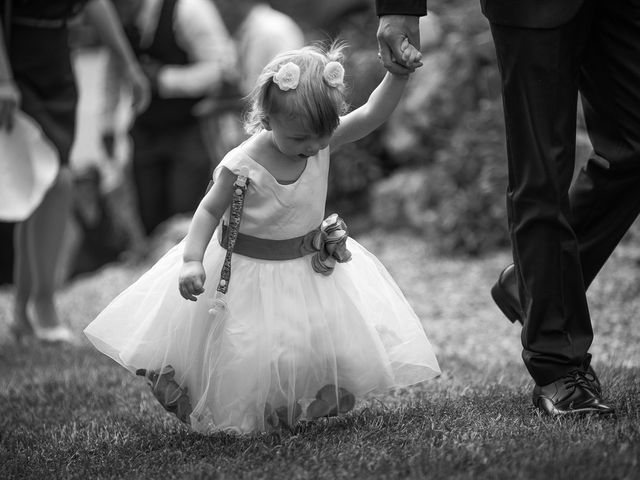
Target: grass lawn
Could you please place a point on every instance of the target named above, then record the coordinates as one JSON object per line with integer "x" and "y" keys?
{"x": 70, "y": 412}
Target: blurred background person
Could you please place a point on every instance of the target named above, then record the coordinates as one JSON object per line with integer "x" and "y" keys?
{"x": 186, "y": 52}
{"x": 38, "y": 87}
{"x": 259, "y": 33}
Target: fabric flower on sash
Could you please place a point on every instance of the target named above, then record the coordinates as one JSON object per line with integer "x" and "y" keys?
{"x": 330, "y": 244}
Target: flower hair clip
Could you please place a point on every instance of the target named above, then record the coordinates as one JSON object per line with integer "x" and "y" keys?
{"x": 287, "y": 77}
{"x": 333, "y": 74}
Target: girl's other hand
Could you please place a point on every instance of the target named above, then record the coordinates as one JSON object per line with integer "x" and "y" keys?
{"x": 191, "y": 282}
{"x": 9, "y": 102}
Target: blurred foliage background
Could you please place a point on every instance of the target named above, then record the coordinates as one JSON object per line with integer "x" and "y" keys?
{"x": 436, "y": 169}
{"x": 438, "y": 166}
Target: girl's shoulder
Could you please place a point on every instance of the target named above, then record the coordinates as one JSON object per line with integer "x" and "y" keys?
{"x": 235, "y": 160}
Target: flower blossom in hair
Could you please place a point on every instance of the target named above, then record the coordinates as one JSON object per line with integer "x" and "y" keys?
{"x": 333, "y": 74}
{"x": 287, "y": 77}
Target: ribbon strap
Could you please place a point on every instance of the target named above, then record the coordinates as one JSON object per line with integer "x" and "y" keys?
{"x": 235, "y": 215}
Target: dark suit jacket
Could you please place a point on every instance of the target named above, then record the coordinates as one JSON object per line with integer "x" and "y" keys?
{"x": 515, "y": 13}
{"x": 401, "y": 7}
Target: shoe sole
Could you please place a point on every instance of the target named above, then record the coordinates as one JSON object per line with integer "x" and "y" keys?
{"x": 502, "y": 301}
{"x": 546, "y": 406}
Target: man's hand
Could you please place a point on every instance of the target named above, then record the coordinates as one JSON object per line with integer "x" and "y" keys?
{"x": 392, "y": 32}
{"x": 191, "y": 282}
{"x": 9, "y": 102}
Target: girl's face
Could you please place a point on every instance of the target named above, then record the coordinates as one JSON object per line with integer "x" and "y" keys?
{"x": 293, "y": 139}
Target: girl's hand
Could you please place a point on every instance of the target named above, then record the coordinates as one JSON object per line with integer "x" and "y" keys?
{"x": 192, "y": 277}
{"x": 9, "y": 102}
{"x": 411, "y": 56}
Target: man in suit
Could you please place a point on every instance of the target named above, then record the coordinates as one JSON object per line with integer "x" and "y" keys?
{"x": 186, "y": 53}
{"x": 548, "y": 51}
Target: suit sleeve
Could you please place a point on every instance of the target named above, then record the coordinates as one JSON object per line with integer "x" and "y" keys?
{"x": 401, "y": 7}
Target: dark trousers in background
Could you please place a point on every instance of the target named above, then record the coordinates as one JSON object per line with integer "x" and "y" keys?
{"x": 171, "y": 171}
{"x": 561, "y": 237}
{"x": 6, "y": 253}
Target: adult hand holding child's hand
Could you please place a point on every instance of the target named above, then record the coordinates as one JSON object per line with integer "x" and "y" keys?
{"x": 393, "y": 32}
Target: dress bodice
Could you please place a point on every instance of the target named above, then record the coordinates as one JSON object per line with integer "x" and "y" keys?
{"x": 280, "y": 211}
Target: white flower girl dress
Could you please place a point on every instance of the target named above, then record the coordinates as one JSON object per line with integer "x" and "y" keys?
{"x": 291, "y": 343}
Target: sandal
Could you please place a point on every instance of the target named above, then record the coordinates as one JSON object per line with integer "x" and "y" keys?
{"x": 57, "y": 334}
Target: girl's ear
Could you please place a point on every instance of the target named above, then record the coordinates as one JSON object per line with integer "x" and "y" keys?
{"x": 265, "y": 123}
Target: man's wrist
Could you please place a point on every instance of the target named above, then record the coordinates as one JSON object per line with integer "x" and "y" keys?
{"x": 401, "y": 7}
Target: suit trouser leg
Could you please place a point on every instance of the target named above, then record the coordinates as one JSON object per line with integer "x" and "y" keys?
{"x": 605, "y": 199}
{"x": 540, "y": 70}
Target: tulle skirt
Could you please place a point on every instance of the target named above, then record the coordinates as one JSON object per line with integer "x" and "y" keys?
{"x": 287, "y": 333}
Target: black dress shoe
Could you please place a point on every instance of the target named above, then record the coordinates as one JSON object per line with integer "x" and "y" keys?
{"x": 591, "y": 377}
{"x": 570, "y": 395}
{"x": 505, "y": 294}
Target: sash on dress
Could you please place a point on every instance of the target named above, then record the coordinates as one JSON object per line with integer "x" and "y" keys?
{"x": 327, "y": 243}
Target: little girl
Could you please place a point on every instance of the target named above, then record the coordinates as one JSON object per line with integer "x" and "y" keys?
{"x": 297, "y": 319}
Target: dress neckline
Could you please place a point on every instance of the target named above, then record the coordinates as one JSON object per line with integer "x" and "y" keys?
{"x": 288, "y": 184}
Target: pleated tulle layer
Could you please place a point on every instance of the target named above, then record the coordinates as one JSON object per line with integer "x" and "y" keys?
{"x": 287, "y": 332}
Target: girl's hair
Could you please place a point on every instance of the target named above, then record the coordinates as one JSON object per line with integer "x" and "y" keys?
{"x": 316, "y": 103}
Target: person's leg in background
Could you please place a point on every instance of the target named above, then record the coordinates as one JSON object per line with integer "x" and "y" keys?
{"x": 38, "y": 242}
{"x": 149, "y": 169}
{"x": 21, "y": 325}
{"x": 540, "y": 74}
{"x": 6, "y": 252}
{"x": 49, "y": 96}
{"x": 190, "y": 172}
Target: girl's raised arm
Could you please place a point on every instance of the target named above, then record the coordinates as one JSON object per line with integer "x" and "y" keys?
{"x": 381, "y": 103}
{"x": 365, "y": 119}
